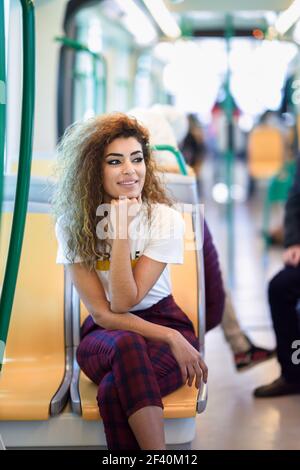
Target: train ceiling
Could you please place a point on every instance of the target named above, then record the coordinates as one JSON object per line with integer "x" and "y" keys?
{"x": 181, "y": 6}
{"x": 199, "y": 16}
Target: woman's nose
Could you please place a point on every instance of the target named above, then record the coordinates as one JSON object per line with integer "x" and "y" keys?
{"x": 128, "y": 168}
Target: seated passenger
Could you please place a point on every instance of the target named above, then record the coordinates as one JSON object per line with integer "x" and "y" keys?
{"x": 136, "y": 344}
{"x": 284, "y": 295}
{"x": 193, "y": 145}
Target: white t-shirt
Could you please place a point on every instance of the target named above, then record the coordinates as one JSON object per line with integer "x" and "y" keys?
{"x": 162, "y": 240}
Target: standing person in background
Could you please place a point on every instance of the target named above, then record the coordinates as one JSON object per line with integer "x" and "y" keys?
{"x": 284, "y": 295}
{"x": 193, "y": 147}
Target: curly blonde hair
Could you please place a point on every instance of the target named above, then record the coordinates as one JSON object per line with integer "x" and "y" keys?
{"x": 79, "y": 190}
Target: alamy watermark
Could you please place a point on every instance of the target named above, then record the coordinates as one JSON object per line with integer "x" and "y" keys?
{"x": 296, "y": 354}
{"x": 128, "y": 223}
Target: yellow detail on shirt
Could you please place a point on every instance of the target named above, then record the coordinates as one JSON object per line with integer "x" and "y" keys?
{"x": 104, "y": 265}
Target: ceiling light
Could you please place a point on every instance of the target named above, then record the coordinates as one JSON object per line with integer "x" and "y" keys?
{"x": 163, "y": 18}
{"x": 286, "y": 19}
{"x": 137, "y": 22}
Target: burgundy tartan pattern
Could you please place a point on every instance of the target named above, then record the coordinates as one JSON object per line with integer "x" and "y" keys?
{"x": 130, "y": 371}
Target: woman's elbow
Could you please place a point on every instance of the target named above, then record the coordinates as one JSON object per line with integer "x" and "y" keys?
{"x": 119, "y": 308}
{"x": 122, "y": 305}
{"x": 98, "y": 319}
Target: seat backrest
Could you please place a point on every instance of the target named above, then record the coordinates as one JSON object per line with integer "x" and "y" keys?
{"x": 181, "y": 188}
{"x": 37, "y": 320}
{"x": 265, "y": 151}
{"x": 39, "y": 167}
{"x": 40, "y": 189}
{"x": 184, "y": 277}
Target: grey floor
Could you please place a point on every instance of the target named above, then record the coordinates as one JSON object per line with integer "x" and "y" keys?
{"x": 233, "y": 418}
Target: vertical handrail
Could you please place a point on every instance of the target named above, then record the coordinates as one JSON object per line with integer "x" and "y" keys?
{"x": 23, "y": 180}
{"x": 178, "y": 155}
{"x": 229, "y": 155}
{"x": 2, "y": 102}
{"x": 96, "y": 57}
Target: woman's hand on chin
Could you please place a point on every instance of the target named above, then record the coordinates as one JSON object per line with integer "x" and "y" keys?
{"x": 124, "y": 210}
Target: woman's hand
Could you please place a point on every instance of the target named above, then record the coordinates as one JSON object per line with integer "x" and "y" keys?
{"x": 189, "y": 359}
{"x": 124, "y": 210}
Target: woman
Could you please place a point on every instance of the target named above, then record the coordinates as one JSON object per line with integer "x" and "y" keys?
{"x": 114, "y": 226}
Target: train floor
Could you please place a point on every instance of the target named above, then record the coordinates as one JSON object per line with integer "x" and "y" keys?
{"x": 234, "y": 419}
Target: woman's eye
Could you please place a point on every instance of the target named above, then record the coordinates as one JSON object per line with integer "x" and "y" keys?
{"x": 111, "y": 162}
{"x": 139, "y": 159}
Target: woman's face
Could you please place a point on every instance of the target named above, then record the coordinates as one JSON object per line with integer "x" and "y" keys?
{"x": 124, "y": 169}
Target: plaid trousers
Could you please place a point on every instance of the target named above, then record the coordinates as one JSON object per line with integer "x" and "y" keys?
{"x": 130, "y": 371}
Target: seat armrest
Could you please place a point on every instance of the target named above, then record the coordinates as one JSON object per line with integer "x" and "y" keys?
{"x": 202, "y": 397}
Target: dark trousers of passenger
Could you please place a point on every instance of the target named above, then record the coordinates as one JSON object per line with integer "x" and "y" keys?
{"x": 130, "y": 371}
{"x": 284, "y": 292}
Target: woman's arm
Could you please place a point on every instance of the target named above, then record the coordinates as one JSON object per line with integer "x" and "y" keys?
{"x": 91, "y": 292}
{"x": 127, "y": 286}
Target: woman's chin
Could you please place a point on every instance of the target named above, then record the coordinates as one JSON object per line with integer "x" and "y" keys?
{"x": 130, "y": 194}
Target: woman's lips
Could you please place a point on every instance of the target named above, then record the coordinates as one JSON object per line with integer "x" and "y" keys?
{"x": 128, "y": 183}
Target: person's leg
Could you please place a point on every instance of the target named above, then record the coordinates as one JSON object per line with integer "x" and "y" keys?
{"x": 147, "y": 424}
{"x": 141, "y": 373}
{"x": 130, "y": 387}
{"x": 144, "y": 429}
{"x": 238, "y": 342}
{"x": 245, "y": 353}
{"x": 284, "y": 292}
{"x": 119, "y": 435}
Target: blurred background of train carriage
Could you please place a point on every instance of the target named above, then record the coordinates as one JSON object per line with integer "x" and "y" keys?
{"x": 234, "y": 69}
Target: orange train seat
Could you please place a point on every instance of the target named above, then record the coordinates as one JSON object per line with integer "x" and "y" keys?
{"x": 39, "y": 167}
{"x": 36, "y": 374}
{"x": 265, "y": 151}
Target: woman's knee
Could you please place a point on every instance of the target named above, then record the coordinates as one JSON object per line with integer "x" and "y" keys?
{"x": 79, "y": 354}
{"x": 127, "y": 341}
{"x": 107, "y": 391}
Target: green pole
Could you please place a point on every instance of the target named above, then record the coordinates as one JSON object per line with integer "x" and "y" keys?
{"x": 23, "y": 179}
{"x": 229, "y": 157}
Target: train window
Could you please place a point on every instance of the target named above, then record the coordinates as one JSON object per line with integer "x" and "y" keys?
{"x": 196, "y": 71}
{"x": 148, "y": 79}
{"x": 13, "y": 40}
{"x": 89, "y": 97}
{"x": 87, "y": 86}
{"x": 143, "y": 88}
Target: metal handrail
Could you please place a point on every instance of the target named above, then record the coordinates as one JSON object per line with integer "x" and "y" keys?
{"x": 23, "y": 179}
{"x": 2, "y": 102}
{"x": 97, "y": 57}
{"x": 177, "y": 153}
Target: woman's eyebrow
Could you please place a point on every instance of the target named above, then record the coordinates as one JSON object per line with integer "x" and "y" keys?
{"x": 114, "y": 154}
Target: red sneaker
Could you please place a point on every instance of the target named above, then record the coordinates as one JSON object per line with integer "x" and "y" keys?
{"x": 255, "y": 355}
